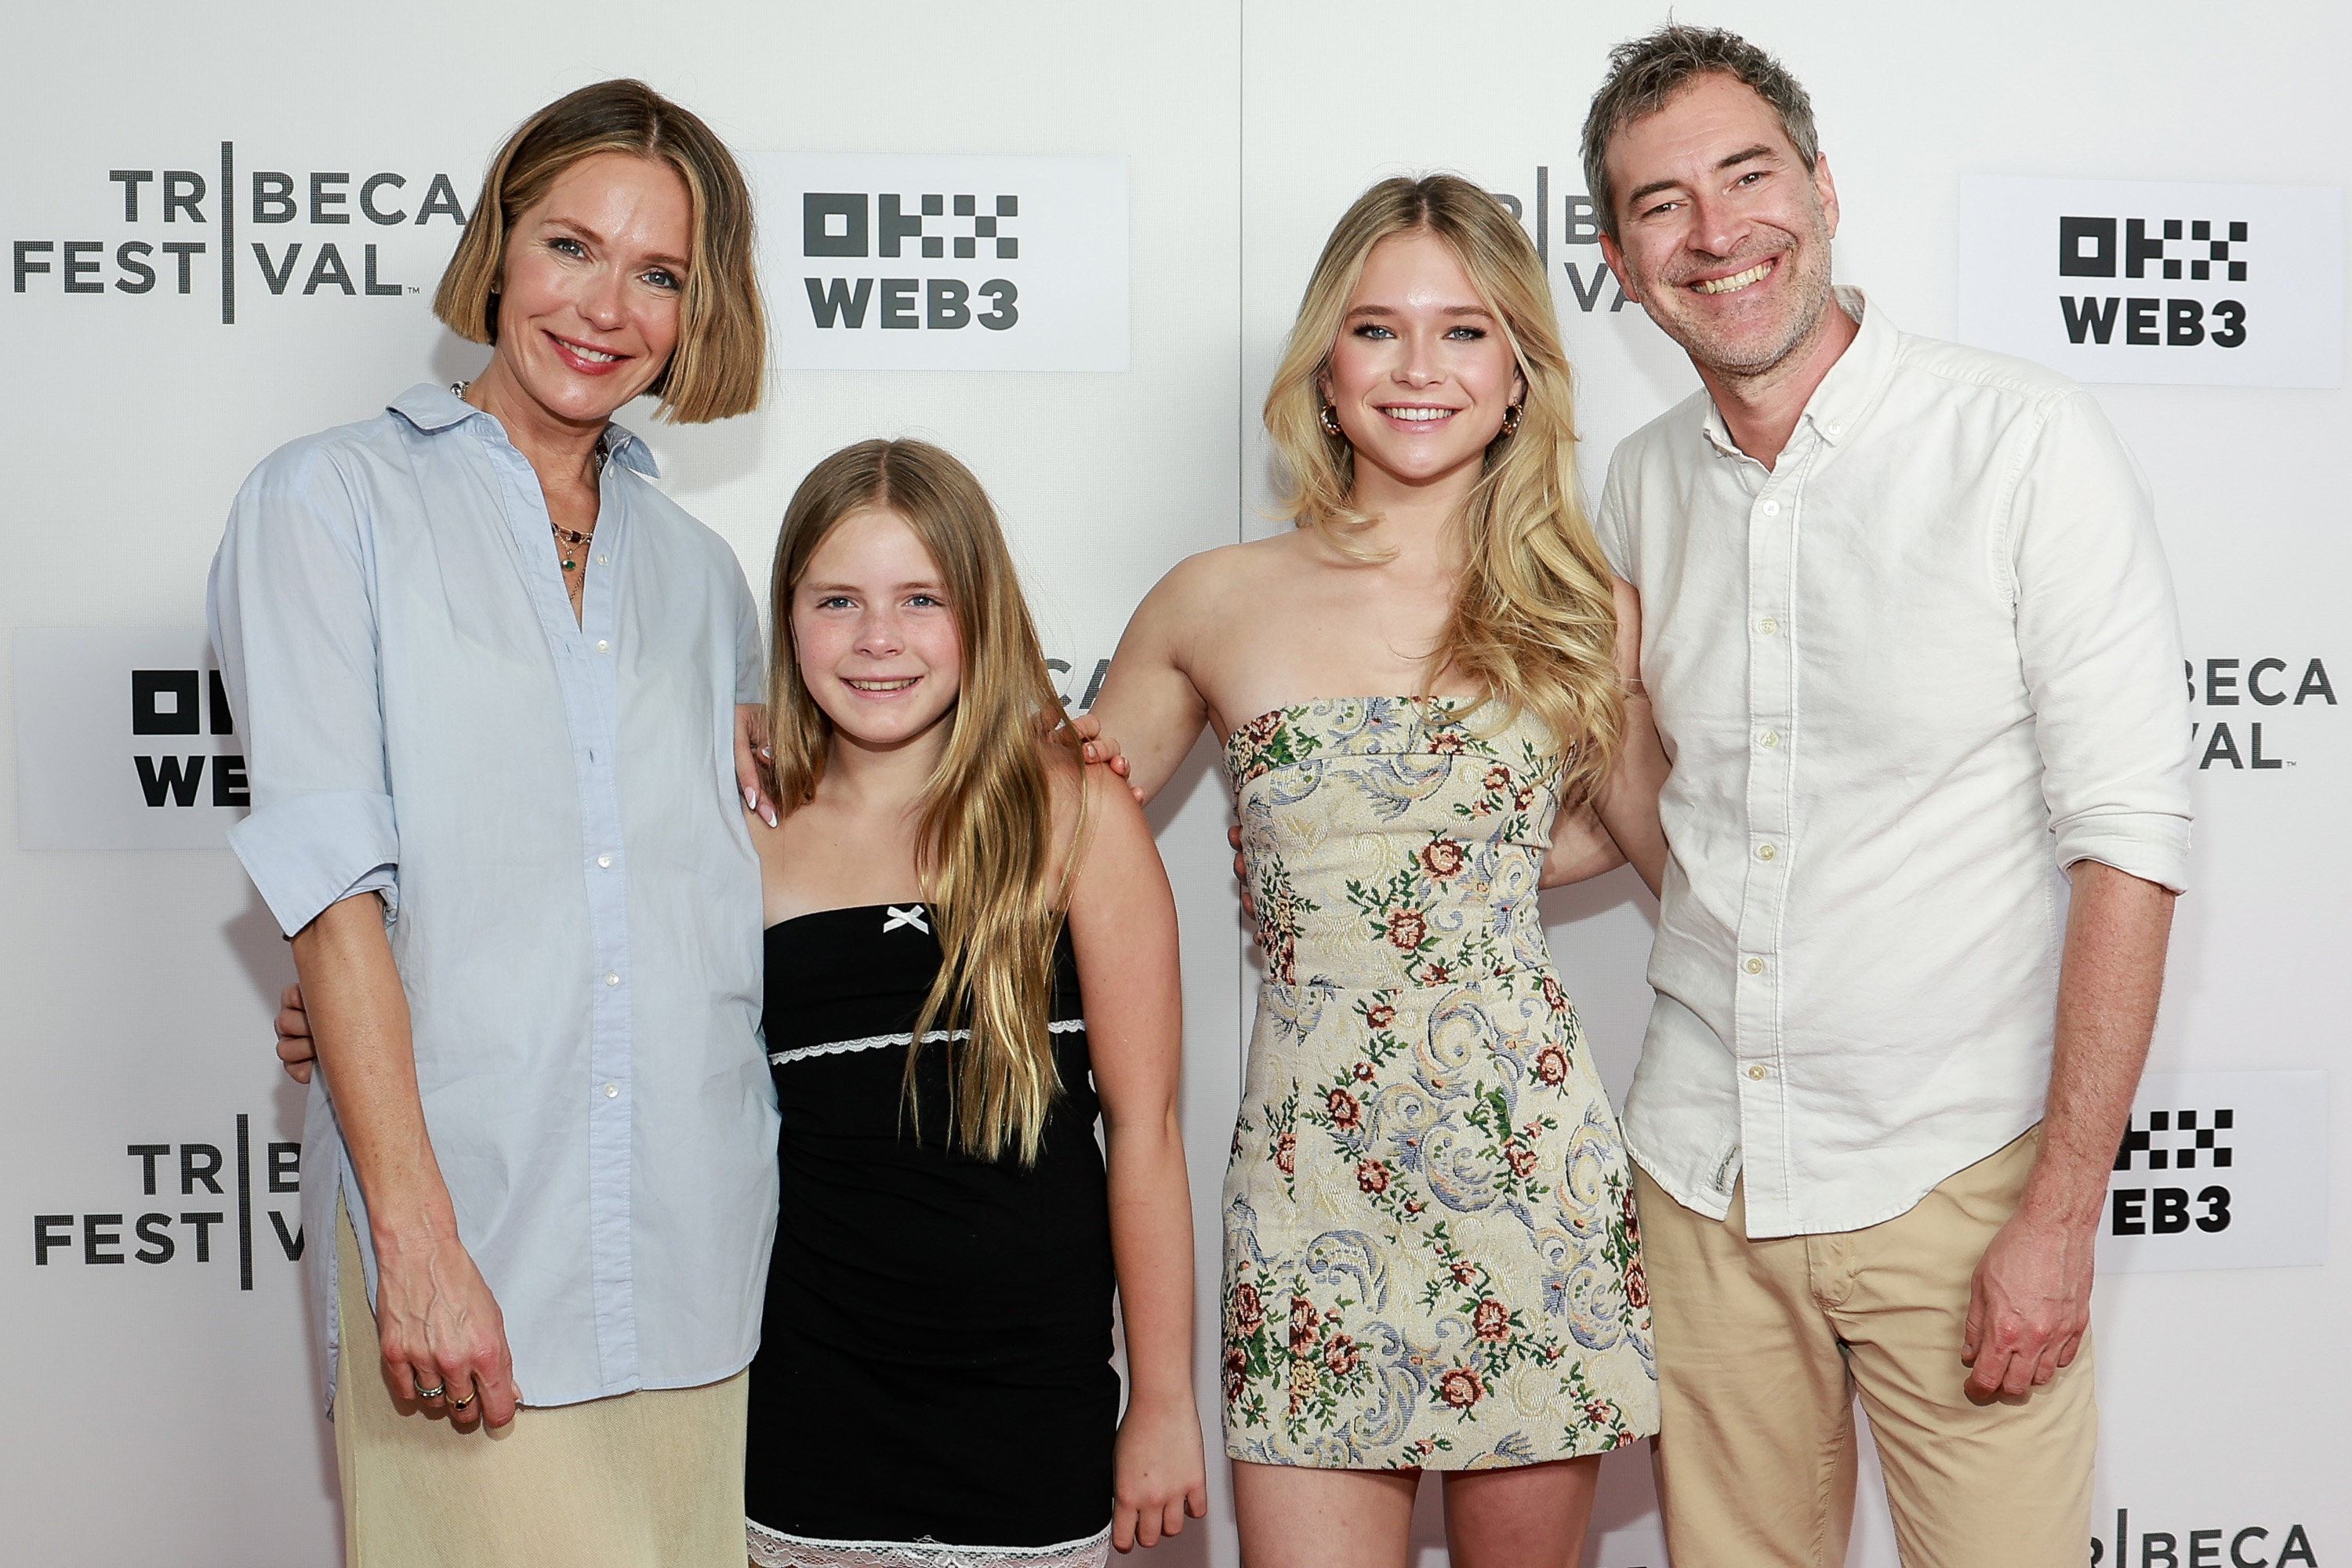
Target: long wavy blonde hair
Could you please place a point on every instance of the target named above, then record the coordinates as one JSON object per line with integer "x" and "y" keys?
{"x": 985, "y": 839}
{"x": 1534, "y": 623}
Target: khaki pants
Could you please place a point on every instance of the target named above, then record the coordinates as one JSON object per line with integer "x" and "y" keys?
{"x": 1762, "y": 1346}
{"x": 651, "y": 1479}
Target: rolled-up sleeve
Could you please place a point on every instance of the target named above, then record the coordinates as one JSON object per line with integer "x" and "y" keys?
{"x": 294, "y": 627}
{"x": 2099, "y": 637}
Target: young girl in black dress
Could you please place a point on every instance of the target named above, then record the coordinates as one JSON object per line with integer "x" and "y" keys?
{"x": 971, "y": 954}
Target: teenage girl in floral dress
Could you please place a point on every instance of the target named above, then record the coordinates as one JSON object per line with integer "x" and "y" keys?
{"x": 1428, "y": 695}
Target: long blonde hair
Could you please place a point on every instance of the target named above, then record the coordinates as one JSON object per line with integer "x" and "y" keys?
{"x": 986, "y": 841}
{"x": 1535, "y": 622}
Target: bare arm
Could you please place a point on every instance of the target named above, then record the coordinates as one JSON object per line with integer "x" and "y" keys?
{"x": 1148, "y": 701}
{"x": 1621, "y": 824}
{"x": 2030, "y": 1301}
{"x": 1123, "y": 927}
{"x": 438, "y": 1325}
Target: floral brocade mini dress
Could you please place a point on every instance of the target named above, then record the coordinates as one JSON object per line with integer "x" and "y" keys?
{"x": 1431, "y": 1254}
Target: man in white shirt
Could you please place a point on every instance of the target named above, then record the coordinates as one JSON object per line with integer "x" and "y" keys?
{"x": 1912, "y": 646}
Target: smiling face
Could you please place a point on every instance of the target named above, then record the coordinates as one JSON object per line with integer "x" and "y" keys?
{"x": 588, "y": 302}
{"x": 875, "y": 635}
{"x": 1421, "y": 375}
{"x": 1722, "y": 235}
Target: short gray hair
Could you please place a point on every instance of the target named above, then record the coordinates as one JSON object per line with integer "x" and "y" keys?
{"x": 1645, "y": 73}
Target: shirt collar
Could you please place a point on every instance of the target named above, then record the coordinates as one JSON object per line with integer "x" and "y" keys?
{"x": 433, "y": 409}
{"x": 1837, "y": 404}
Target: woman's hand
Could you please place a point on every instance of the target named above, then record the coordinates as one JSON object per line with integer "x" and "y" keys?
{"x": 294, "y": 1049}
{"x": 443, "y": 1338}
{"x": 1158, "y": 1480}
{"x": 751, "y": 757}
{"x": 1100, "y": 748}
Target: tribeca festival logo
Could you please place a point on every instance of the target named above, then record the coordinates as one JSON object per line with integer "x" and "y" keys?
{"x": 218, "y": 231}
{"x": 209, "y": 1223}
{"x": 2246, "y": 1545}
{"x": 909, "y": 261}
{"x": 1591, "y": 284}
{"x": 2089, "y": 248}
{"x": 2237, "y": 741}
{"x": 2156, "y": 282}
{"x": 2220, "y": 1170}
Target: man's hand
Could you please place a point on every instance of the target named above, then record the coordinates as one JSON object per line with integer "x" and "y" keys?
{"x": 2029, "y": 1305}
{"x": 1241, "y": 874}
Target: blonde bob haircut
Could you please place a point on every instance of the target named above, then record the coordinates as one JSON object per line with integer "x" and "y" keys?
{"x": 721, "y": 361}
{"x": 985, "y": 839}
{"x": 1534, "y": 624}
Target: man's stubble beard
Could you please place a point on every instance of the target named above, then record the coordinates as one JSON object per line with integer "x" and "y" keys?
{"x": 1811, "y": 290}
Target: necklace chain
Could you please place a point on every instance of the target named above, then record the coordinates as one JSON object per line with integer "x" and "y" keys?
{"x": 572, "y": 537}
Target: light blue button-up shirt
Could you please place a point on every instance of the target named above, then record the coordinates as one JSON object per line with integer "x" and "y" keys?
{"x": 549, "y": 810}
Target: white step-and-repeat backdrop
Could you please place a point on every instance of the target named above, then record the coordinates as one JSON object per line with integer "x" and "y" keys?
{"x": 1065, "y": 240}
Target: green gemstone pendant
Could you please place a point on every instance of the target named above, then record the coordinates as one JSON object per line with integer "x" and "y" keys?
{"x": 567, "y": 567}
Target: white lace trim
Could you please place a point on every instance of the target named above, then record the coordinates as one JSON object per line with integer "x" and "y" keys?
{"x": 774, "y": 1548}
{"x": 874, "y": 1042}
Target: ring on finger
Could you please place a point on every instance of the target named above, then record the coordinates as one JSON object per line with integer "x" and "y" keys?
{"x": 461, "y": 1404}
{"x": 435, "y": 1392}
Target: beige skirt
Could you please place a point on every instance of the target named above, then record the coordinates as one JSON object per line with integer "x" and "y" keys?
{"x": 650, "y": 1479}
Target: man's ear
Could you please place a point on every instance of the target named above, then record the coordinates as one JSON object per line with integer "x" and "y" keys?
{"x": 1825, "y": 188}
{"x": 1615, "y": 258}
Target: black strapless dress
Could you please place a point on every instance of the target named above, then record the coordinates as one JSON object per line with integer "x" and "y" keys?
{"x": 934, "y": 1381}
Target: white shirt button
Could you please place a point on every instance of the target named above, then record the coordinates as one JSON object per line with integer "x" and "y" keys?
{"x": 612, "y": 980}
{"x": 603, "y": 559}
{"x": 1771, "y": 508}
{"x": 1754, "y": 966}
{"x": 1770, "y": 738}
{"x": 604, "y": 647}
{"x": 1755, "y": 1071}
{"x": 1765, "y": 852}
{"x": 1768, "y": 626}
{"x": 605, "y": 860}
{"x": 611, "y": 1091}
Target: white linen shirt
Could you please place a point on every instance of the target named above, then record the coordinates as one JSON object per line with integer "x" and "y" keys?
{"x": 1906, "y": 675}
{"x": 549, "y": 809}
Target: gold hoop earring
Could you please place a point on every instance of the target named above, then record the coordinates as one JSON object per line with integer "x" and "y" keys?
{"x": 1511, "y": 420}
{"x": 1330, "y": 417}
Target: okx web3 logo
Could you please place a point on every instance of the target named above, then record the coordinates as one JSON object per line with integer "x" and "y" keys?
{"x": 2178, "y": 284}
{"x": 2220, "y": 1170}
{"x": 892, "y": 261}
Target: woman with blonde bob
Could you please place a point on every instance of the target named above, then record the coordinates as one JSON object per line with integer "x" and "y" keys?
{"x": 1429, "y": 709}
{"x": 490, "y": 681}
{"x": 971, "y": 954}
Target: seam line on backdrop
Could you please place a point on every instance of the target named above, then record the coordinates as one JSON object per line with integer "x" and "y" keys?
{"x": 1241, "y": 412}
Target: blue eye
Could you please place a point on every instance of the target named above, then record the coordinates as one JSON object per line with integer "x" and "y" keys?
{"x": 1467, "y": 334}
{"x": 567, "y": 246}
{"x": 662, "y": 278}
{"x": 1373, "y": 330}
{"x": 928, "y": 601}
